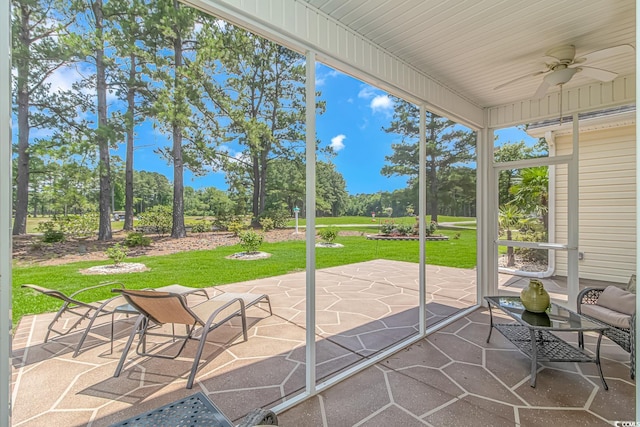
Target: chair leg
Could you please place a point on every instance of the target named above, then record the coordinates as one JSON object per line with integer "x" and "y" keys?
{"x": 196, "y": 358}
{"x": 580, "y": 340}
{"x": 86, "y": 332}
{"x": 140, "y": 323}
{"x": 269, "y": 302}
{"x": 55, "y": 319}
{"x": 244, "y": 321}
{"x": 203, "y": 339}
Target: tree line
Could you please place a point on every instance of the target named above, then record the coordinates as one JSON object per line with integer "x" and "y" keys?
{"x": 226, "y": 99}
{"x": 204, "y": 82}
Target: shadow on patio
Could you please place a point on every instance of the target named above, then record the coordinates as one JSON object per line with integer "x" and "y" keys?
{"x": 363, "y": 308}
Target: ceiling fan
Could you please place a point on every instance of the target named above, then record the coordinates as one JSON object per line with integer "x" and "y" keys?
{"x": 565, "y": 65}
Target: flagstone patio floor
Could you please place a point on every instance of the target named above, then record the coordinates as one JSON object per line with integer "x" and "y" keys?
{"x": 451, "y": 378}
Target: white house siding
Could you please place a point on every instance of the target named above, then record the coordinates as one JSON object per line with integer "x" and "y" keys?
{"x": 607, "y": 203}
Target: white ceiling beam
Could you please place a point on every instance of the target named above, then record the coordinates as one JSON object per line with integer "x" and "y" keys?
{"x": 591, "y": 97}
{"x": 300, "y": 27}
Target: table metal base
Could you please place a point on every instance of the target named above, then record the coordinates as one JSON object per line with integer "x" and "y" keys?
{"x": 192, "y": 411}
{"x": 548, "y": 347}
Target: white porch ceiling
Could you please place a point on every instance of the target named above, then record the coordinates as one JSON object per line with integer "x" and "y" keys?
{"x": 472, "y": 46}
{"x": 451, "y": 54}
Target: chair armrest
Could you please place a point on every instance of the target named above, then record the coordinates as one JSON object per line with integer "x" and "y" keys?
{"x": 101, "y": 285}
{"x": 589, "y": 296}
{"x": 212, "y": 316}
{"x": 259, "y": 417}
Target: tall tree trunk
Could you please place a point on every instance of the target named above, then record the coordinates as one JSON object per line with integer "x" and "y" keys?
{"x": 104, "y": 168}
{"x": 255, "y": 197}
{"x": 22, "y": 189}
{"x": 128, "y": 174}
{"x": 511, "y": 257}
{"x": 263, "y": 180}
{"x": 178, "y": 230}
{"x": 433, "y": 189}
{"x": 433, "y": 177}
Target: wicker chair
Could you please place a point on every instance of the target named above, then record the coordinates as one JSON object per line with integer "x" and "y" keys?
{"x": 624, "y": 337}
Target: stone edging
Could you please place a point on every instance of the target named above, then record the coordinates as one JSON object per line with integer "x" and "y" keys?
{"x": 382, "y": 237}
{"x": 123, "y": 267}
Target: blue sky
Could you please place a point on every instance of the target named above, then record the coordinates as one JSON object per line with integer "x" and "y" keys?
{"x": 352, "y": 124}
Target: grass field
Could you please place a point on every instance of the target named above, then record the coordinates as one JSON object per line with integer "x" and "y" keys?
{"x": 32, "y": 223}
{"x": 341, "y": 220}
{"x": 211, "y": 268}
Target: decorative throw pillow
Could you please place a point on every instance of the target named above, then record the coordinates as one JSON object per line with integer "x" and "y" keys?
{"x": 631, "y": 286}
{"x": 617, "y": 299}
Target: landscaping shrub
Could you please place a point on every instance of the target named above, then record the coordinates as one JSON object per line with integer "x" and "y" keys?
{"x": 200, "y": 227}
{"x": 431, "y": 228}
{"x": 251, "y": 241}
{"x": 328, "y": 234}
{"x": 117, "y": 253}
{"x": 267, "y": 224}
{"x": 392, "y": 228}
{"x": 531, "y": 254}
{"x": 222, "y": 221}
{"x": 81, "y": 226}
{"x": 136, "y": 239}
{"x": 236, "y": 227}
{"x": 51, "y": 231}
{"x": 404, "y": 229}
{"x": 158, "y": 219}
{"x": 279, "y": 213}
{"x": 387, "y": 227}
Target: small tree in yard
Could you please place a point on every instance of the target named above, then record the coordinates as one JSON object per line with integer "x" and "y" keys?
{"x": 117, "y": 253}
{"x": 509, "y": 217}
{"x": 328, "y": 235}
{"x": 251, "y": 241}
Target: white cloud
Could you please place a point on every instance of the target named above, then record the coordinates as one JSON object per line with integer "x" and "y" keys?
{"x": 63, "y": 79}
{"x": 366, "y": 92}
{"x": 321, "y": 78}
{"x": 337, "y": 142}
{"x": 381, "y": 103}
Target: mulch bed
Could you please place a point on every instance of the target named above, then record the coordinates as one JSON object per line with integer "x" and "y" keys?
{"x": 27, "y": 249}
{"x": 389, "y": 237}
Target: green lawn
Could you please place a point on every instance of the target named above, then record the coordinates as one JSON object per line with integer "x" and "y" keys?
{"x": 32, "y": 223}
{"x": 367, "y": 220}
{"x": 211, "y": 268}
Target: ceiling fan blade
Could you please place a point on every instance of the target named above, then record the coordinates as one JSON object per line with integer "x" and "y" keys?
{"x": 598, "y": 73}
{"x": 623, "y": 49}
{"x": 537, "y": 73}
{"x": 542, "y": 89}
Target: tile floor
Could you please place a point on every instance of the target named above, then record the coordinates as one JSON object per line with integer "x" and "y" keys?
{"x": 447, "y": 379}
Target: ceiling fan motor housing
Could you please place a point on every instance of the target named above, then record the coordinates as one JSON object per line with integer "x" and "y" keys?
{"x": 564, "y": 54}
{"x": 560, "y": 76}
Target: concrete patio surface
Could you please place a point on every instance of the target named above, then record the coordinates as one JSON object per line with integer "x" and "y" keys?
{"x": 361, "y": 309}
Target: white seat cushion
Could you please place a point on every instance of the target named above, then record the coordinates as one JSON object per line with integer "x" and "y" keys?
{"x": 606, "y": 315}
{"x": 618, "y": 300}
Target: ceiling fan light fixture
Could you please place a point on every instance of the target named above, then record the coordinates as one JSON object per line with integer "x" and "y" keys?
{"x": 560, "y": 76}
